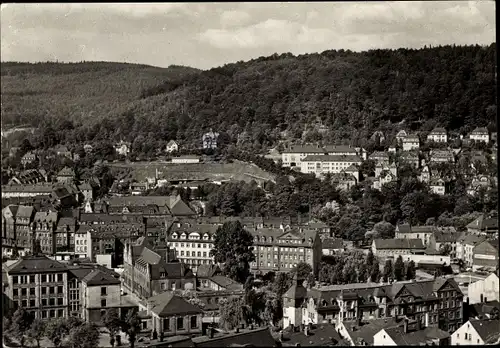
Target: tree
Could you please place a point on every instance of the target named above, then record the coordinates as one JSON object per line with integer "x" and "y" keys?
{"x": 410, "y": 270}
{"x": 113, "y": 323}
{"x": 131, "y": 326}
{"x": 37, "y": 331}
{"x": 303, "y": 270}
{"x": 56, "y": 331}
{"x": 387, "y": 271}
{"x": 282, "y": 282}
{"x": 370, "y": 258}
{"x": 192, "y": 297}
{"x": 399, "y": 269}
{"x": 375, "y": 272}
{"x": 84, "y": 336}
{"x": 384, "y": 230}
{"x": 445, "y": 249}
{"x": 232, "y": 313}
{"x": 20, "y": 324}
{"x": 233, "y": 247}
{"x": 25, "y": 147}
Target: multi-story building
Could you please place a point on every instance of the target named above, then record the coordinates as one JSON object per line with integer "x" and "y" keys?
{"x": 437, "y": 186}
{"x": 16, "y": 227}
{"x": 438, "y": 135}
{"x": 410, "y": 157}
{"x": 66, "y": 176}
{"x": 99, "y": 292}
{"x": 278, "y": 250}
{"x": 293, "y": 301}
{"x": 149, "y": 270}
{"x": 193, "y": 243}
{"x": 443, "y": 238}
{"x": 43, "y": 227}
{"x": 441, "y": 156}
{"x": 39, "y": 285}
{"x": 344, "y": 181}
{"x": 483, "y": 225}
{"x": 391, "y": 248}
{"x": 323, "y": 164}
{"x": 293, "y": 156}
{"x": 485, "y": 256}
{"x": 28, "y": 158}
{"x": 83, "y": 241}
{"x": 465, "y": 248}
{"x": 413, "y": 334}
{"x": 424, "y": 233}
{"x": 16, "y": 190}
{"x": 480, "y": 134}
{"x": 437, "y": 302}
{"x": 379, "y": 168}
{"x": 411, "y": 142}
{"x": 484, "y": 290}
{"x": 380, "y": 157}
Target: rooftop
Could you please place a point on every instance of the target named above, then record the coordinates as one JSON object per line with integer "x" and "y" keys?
{"x": 167, "y": 304}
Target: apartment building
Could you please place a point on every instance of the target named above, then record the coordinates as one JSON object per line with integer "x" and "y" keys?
{"x": 484, "y": 290}
{"x": 43, "y": 227}
{"x": 484, "y": 225}
{"x": 280, "y": 251}
{"x": 465, "y": 248}
{"x": 380, "y": 157}
{"x": 39, "y": 285}
{"x": 438, "y": 135}
{"x": 480, "y": 134}
{"x": 434, "y": 303}
{"x": 410, "y": 157}
{"x": 477, "y": 332}
{"x": 323, "y": 164}
{"x": 441, "y": 156}
{"x": 485, "y": 256}
{"x": 411, "y": 142}
{"x": 392, "y": 248}
{"x": 424, "y": 233}
{"x": 16, "y": 231}
{"x": 293, "y": 156}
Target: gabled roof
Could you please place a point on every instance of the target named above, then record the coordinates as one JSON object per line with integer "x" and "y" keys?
{"x": 226, "y": 282}
{"x": 487, "y": 329}
{"x": 415, "y": 338}
{"x": 98, "y": 277}
{"x": 297, "y": 291}
{"x": 480, "y": 130}
{"x": 66, "y": 171}
{"x": 178, "y": 207}
{"x": 258, "y": 337}
{"x": 24, "y": 211}
{"x": 482, "y": 223}
{"x": 36, "y": 264}
{"x": 207, "y": 271}
{"x": 167, "y": 304}
{"x": 438, "y": 130}
{"x": 331, "y": 158}
{"x": 171, "y": 142}
{"x": 320, "y": 335}
{"x": 399, "y": 244}
{"x": 367, "y": 330}
{"x": 332, "y": 243}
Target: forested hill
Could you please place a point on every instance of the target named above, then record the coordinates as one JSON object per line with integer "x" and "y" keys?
{"x": 352, "y": 94}
{"x": 82, "y": 93}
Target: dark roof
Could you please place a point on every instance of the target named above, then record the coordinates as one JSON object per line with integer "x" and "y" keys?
{"x": 167, "y": 304}
{"x": 259, "y": 337}
{"x": 66, "y": 171}
{"x": 367, "y": 330}
{"x": 481, "y": 130}
{"x": 331, "y": 158}
{"x": 98, "y": 277}
{"x": 297, "y": 291}
{"x": 36, "y": 264}
{"x": 416, "y": 338}
{"x": 481, "y": 309}
{"x": 399, "y": 244}
{"x": 226, "y": 282}
{"x": 438, "y": 130}
{"x": 482, "y": 223}
{"x": 320, "y": 335}
{"x": 333, "y": 243}
{"x": 487, "y": 329}
{"x": 207, "y": 271}
{"x": 446, "y": 237}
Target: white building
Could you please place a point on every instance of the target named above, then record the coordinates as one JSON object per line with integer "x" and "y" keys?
{"x": 437, "y": 186}
{"x": 293, "y": 156}
{"x": 122, "y": 148}
{"x": 411, "y": 142}
{"x": 172, "y": 146}
{"x": 477, "y": 332}
{"x": 484, "y": 290}
{"x": 438, "y": 135}
{"x": 186, "y": 159}
{"x": 323, "y": 164}
{"x": 480, "y": 134}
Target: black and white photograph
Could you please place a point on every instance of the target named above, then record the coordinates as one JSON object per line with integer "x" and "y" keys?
{"x": 249, "y": 174}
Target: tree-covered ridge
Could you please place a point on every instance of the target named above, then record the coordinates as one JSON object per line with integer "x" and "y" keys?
{"x": 83, "y": 93}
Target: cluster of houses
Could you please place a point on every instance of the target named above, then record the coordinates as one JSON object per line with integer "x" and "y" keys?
{"x": 343, "y": 162}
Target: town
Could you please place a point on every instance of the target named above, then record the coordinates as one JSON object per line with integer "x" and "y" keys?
{"x": 150, "y": 263}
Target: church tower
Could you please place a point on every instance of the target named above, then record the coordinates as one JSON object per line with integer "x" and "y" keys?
{"x": 293, "y": 300}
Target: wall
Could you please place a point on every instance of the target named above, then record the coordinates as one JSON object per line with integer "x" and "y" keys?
{"x": 93, "y": 296}
{"x": 381, "y": 338}
{"x": 426, "y": 258}
{"x": 158, "y": 324}
{"x": 487, "y": 287}
{"x": 466, "y": 335}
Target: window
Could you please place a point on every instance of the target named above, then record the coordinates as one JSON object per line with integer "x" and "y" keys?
{"x": 104, "y": 291}
{"x": 24, "y": 303}
{"x": 44, "y": 290}
{"x": 15, "y": 292}
{"x": 194, "y": 322}
{"x": 24, "y": 291}
{"x": 180, "y": 323}
{"x": 32, "y": 278}
{"x": 59, "y": 289}
{"x": 52, "y": 289}
{"x": 60, "y": 313}
{"x": 15, "y": 280}
{"x": 44, "y": 301}
{"x": 59, "y": 277}
{"x": 60, "y": 301}
{"x": 32, "y": 291}
{"x": 52, "y": 302}
{"x": 32, "y": 303}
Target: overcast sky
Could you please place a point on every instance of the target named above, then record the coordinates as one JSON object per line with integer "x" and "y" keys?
{"x": 205, "y": 35}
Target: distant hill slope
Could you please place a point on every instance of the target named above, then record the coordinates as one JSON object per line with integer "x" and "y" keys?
{"x": 352, "y": 94}
{"x": 85, "y": 92}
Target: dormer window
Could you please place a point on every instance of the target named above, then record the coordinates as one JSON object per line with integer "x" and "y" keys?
{"x": 174, "y": 235}
{"x": 183, "y": 236}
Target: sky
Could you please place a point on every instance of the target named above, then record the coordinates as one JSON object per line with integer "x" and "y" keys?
{"x": 206, "y": 35}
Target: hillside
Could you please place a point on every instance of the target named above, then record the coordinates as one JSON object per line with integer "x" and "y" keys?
{"x": 82, "y": 92}
{"x": 352, "y": 94}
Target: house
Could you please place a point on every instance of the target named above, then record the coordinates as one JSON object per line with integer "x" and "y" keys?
{"x": 172, "y": 146}
{"x": 343, "y": 181}
{"x": 380, "y": 157}
{"x": 484, "y": 225}
{"x": 385, "y": 248}
{"x": 441, "y": 156}
{"x": 480, "y": 134}
{"x": 465, "y": 248}
{"x": 411, "y": 142}
{"x": 28, "y": 158}
{"x": 222, "y": 283}
{"x": 204, "y": 272}
{"x": 168, "y": 205}
{"x": 88, "y": 148}
{"x": 401, "y": 135}
{"x": 484, "y": 310}
{"x": 425, "y": 174}
{"x": 437, "y": 186}
{"x": 240, "y": 337}
{"x": 28, "y": 177}
{"x": 479, "y": 182}
{"x": 485, "y": 256}
{"x": 322, "y": 164}
{"x": 293, "y": 156}
{"x": 477, "y": 332}
{"x": 66, "y": 176}
{"x": 438, "y": 135}
{"x": 424, "y": 233}
{"x": 385, "y": 177}
{"x": 332, "y": 246}
{"x": 138, "y": 188}
{"x": 484, "y": 290}
{"x": 44, "y": 226}
{"x": 16, "y": 231}
{"x": 88, "y": 192}
{"x": 150, "y": 270}
{"x": 411, "y": 158}
{"x": 209, "y": 140}
{"x": 435, "y": 303}
{"x": 378, "y": 136}
{"x": 293, "y": 300}
{"x": 171, "y": 315}
{"x": 442, "y": 238}
{"x": 122, "y": 148}
{"x": 406, "y": 336}
{"x": 186, "y": 159}
{"x": 360, "y": 333}
{"x": 379, "y": 168}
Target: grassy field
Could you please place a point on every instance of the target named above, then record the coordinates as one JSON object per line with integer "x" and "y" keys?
{"x": 237, "y": 170}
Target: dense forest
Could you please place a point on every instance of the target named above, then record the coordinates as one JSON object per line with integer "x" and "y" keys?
{"x": 350, "y": 94}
